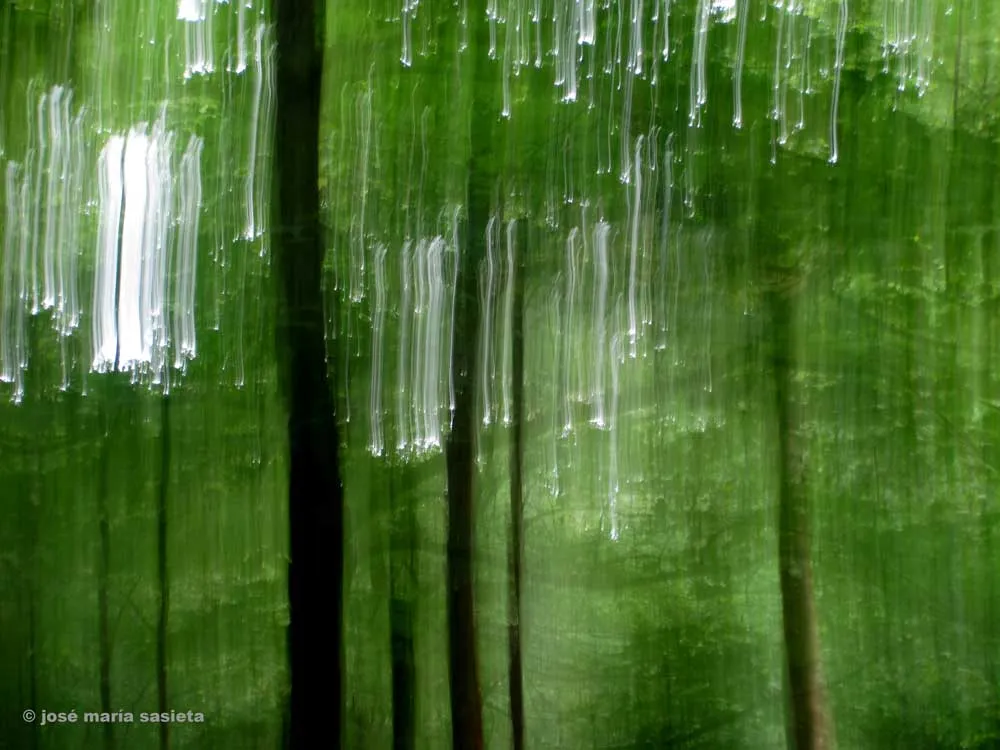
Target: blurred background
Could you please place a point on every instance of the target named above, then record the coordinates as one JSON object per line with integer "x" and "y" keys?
{"x": 752, "y": 246}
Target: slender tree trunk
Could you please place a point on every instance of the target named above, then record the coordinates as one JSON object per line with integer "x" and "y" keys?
{"x": 403, "y": 674}
{"x": 103, "y": 575}
{"x": 33, "y": 663}
{"x": 809, "y": 728}
{"x": 104, "y": 624}
{"x": 460, "y": 451}
{"x": 33, "y": 536}
{"x": 516, "y": 551}
{"x": 112, "y": 414}
{"x": 466, "y": 701}
{"x": 460, "y": 445}
{"x": 315, "y": 494}
{"x": 402, "y": 585}
{"x": 161, "y": 565}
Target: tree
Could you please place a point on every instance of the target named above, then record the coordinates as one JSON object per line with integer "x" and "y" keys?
{"x": 402, "y": 596}
{"x": 809, "y": 723}
{"x": 162, "y": 704}
{"x": 109, "y": 422}
{"x": 460, "y": 446}
{"x": 516, "y": 550}
{"x": 315, "y": 493}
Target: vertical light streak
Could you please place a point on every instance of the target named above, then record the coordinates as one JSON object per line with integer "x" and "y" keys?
{"x": 253, "y": 223}
{"x": 838, "y": 67}
{"x": 13, "y": 299}
{"x": 741, "y": 45}
{"x": 403, "y": 436}
{"x": 636, "y": 200}
{"x": 376, "y": 443}
{"x": 199, "y": 52}
{"x": 432, "y": 362}
{"x": 56, "y": 124}
{"x": 508, "y": 317}
{"x": 36, "y": 157}
{"x": 568, "y": 331}
{"x": 699, "y": 81}
{"x": 109, "y": 187}
{"x": 601, "y": 233}
{"x": 131, "y": 251}
{"x": 185, "y": 347}
{"x": 487, "y": 286}
{"x": 418, "y": 391}
{"x": 156, "y": 249}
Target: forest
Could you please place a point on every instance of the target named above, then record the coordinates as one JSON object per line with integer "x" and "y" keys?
{"x": 570, "y": 374}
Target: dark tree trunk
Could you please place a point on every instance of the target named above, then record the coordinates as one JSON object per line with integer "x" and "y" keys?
{"x": 315, "y": 494}
{"x": 460, "y": 446}
{"x": 466, "y": 701}
{"x": 402, "y": 585}
{"x": 516, "y": 551}
{"x": 161, "y": 565}
{"x": 809, "y": 728}
{"x": 460, "y": 451}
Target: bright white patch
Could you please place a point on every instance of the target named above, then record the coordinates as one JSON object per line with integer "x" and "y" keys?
{"x": 136, "y": 253}
{"x": 724, "y": 10}
{"x": 199, "y": 52}
{"x": 109, "y": 186}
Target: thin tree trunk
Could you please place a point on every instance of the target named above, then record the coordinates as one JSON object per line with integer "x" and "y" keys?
{"x": 33, "y": 662}
{"x": 466, "y": 701}
{"x": 460, "y": 445}
{"x": 32, "y": 510}
{"x": 161, "y": 565}
{"x": 516, "y": 551}
{"x": 315, "y": 494}
{"x": 110, "y": 428}
{"x": 103, "y": 576}
{"x": 402, "y": 585}
{"x": 809, "y": 727}
{"x": 460, "y": 451}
